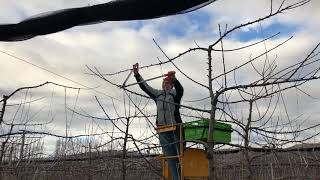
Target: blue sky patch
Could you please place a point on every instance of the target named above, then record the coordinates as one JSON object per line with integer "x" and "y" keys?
{"x": 200, "y": 18}
{"x": 179, "y": 25}
{"x": 263, "y": 32}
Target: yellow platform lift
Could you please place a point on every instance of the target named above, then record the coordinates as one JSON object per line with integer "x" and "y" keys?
{"x": 193, "y": 162}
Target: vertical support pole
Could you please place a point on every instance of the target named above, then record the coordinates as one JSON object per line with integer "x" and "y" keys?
{"x": 271, "y": 169}
{"x": 11, "y": 154}
{"x": 22, "y": 145}
{"x": 181, "y": 150}
{"x": 3, "y": 145}
{"x": 181, "y": 139}
{"x": 3, "y": 108}
{"x": 90, "y": 160}
{"x": 163, "y": 169}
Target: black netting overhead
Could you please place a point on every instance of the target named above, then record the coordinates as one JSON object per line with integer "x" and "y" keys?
{"x": 118, "y": 10}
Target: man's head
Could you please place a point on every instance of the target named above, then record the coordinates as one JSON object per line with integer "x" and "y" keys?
{"x": 167, "y": 83}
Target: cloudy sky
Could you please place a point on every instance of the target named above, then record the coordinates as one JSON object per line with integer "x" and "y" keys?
{"x": 114, "y": 46}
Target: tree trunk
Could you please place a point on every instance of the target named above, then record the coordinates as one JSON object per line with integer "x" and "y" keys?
{"x": 214, "y": 100}
{"x": 246, "y": 145}
{"x": 124, "y": 150}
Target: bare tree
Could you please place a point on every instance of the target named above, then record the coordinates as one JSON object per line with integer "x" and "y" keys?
{"x": 256, "y": 95}
{"x": 258, "y": 129}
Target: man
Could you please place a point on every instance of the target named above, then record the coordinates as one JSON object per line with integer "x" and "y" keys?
{"x": 168, "y": 104}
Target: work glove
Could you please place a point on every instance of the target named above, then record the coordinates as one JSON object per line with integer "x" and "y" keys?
{"x": 135, "y": 68}
{"x": 171, "y": 75}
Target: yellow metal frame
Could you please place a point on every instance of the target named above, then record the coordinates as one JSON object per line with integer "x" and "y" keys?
{"x": 193, "y": 162}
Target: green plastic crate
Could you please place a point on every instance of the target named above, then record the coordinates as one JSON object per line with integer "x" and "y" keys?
{"x": 198, "y": 130}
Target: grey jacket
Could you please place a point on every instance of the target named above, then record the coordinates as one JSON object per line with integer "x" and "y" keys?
{"x": 167, "y": 112}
